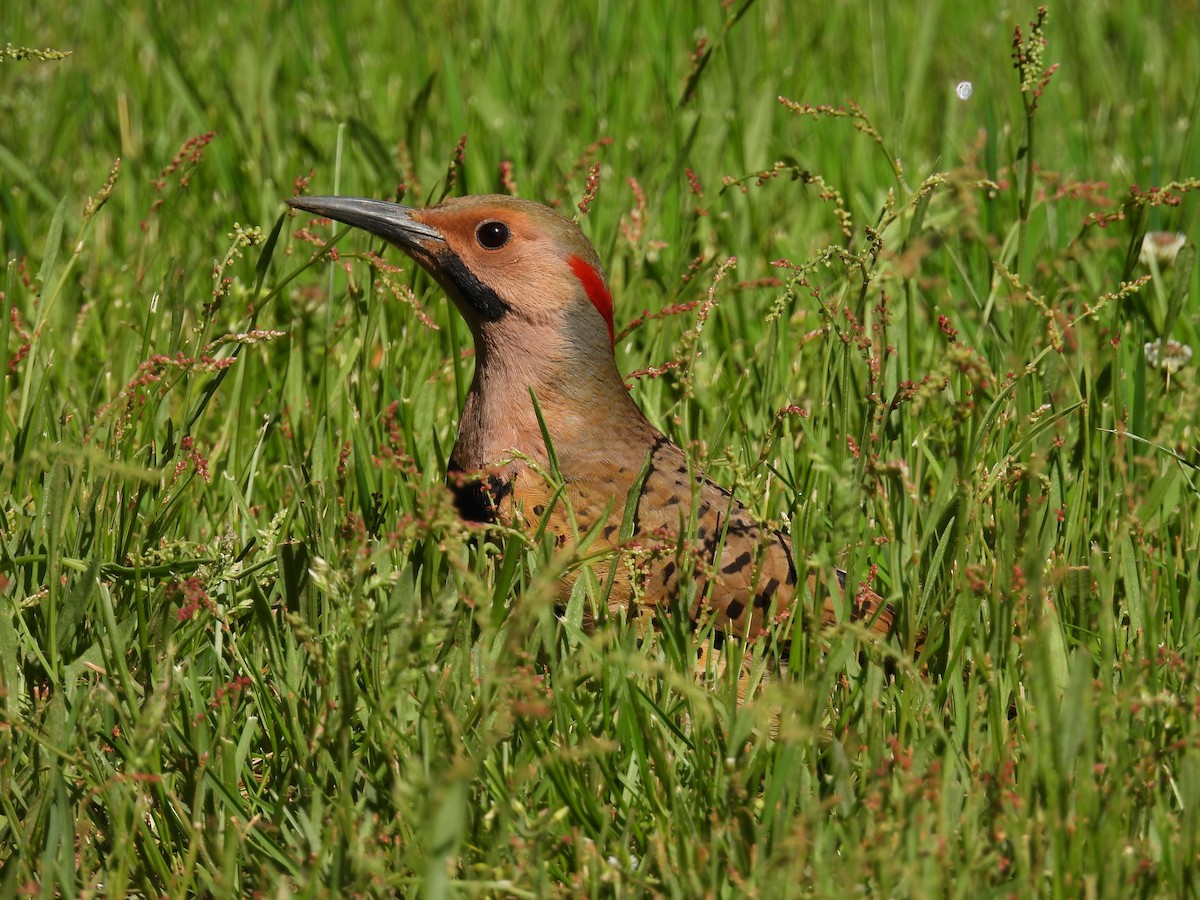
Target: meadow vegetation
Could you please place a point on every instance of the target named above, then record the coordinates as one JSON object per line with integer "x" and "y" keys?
{"x": 246, "y": 647}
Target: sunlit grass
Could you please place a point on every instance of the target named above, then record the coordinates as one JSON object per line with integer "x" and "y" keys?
{"x": 245, "y": 643}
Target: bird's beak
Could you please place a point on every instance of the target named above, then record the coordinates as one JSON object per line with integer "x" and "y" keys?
{"x": 390, "y": 221}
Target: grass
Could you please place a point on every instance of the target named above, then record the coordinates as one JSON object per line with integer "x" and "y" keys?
{"x": 246, "y": 648}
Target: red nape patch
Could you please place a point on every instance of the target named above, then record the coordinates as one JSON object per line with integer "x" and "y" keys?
{"x": 596, "y": 290}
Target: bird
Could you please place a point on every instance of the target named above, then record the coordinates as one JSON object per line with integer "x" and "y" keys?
{"x": 550, "y": 438}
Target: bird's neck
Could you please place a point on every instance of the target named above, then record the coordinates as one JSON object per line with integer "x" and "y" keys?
{"x": 583, "y": 400}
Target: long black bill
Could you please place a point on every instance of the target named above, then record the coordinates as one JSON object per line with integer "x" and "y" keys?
{"x": 390, "y": 221}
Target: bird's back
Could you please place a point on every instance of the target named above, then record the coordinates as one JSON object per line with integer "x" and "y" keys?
{"x": 684, "y": 528}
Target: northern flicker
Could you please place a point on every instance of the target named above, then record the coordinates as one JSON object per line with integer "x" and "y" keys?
{"x": 533, "y": 292}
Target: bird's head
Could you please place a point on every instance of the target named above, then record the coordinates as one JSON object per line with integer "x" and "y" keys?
{"x": 516, "y": 270}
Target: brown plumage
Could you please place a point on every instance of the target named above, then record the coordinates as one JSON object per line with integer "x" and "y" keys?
{"x": 532, "y": 290}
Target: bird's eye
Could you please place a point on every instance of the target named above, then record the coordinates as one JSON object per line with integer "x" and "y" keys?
{"x": 492, "y": 235}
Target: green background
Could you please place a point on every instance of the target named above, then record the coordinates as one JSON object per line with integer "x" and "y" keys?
{"x": 244, "y": 646}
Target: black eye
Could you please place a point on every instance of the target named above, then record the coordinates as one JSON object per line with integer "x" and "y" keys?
{"x": 492, "y": 235}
